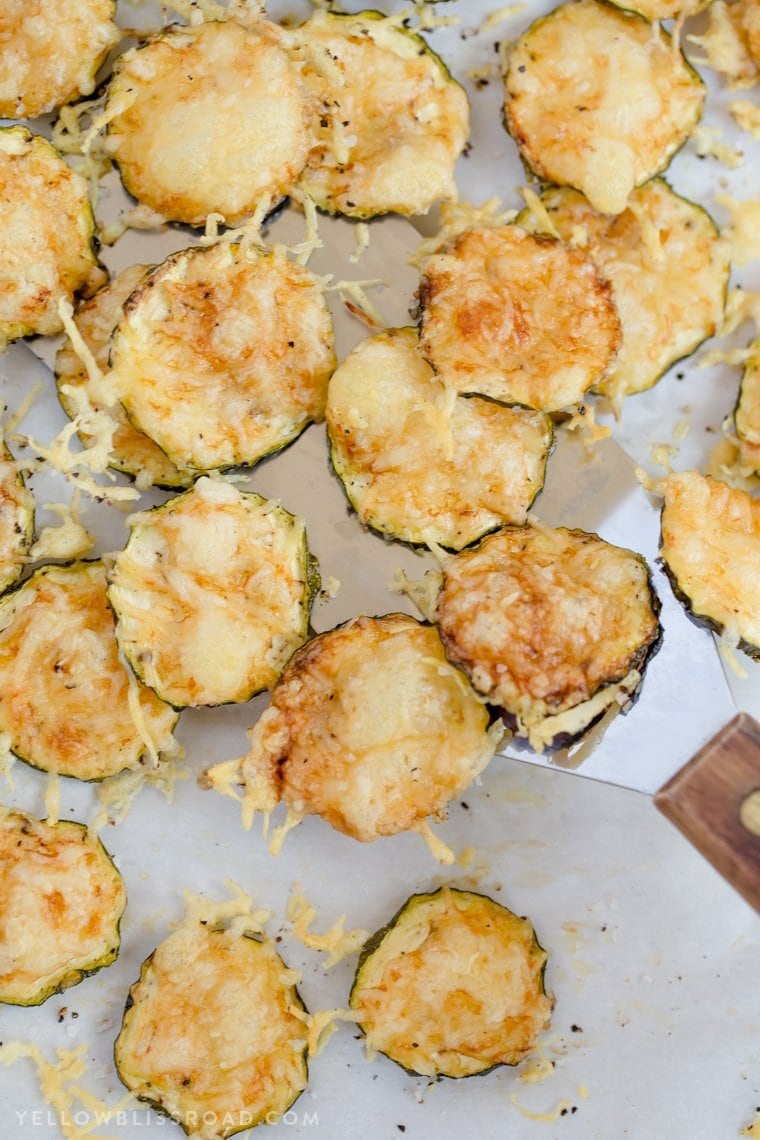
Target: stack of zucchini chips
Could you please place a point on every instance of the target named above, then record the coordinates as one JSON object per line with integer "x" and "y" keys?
{"x": 440, "y": 434}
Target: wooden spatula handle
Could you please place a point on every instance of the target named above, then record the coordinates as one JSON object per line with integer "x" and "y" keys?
{"x": 715, "y": 801}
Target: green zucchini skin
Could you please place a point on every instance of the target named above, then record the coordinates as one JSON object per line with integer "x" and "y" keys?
{"x": 437, "y": 901}
{"x": 16, "y": 521}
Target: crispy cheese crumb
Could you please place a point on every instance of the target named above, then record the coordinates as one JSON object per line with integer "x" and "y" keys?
{"x": 743, "y": 230}
{"x": 336, "y": 941}
{"x": 67, "y": 540}
{"x": 422, "y": 591}
{"x": 747, "y": 116}
{"x": 543, "y": 1117}
{"x": 707, "y": 142}
{"x": 438, "y": 849}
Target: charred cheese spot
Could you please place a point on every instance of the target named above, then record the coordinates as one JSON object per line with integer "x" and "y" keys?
{"x": 371, "y": 728}
{"x": 391, "y": 120}
{"x": 597, "y": 99}
{"x": 212, "y": 594}
{"x": 133, "y": 452}
{"x": 711, "y": 550}
{"x": 209, "y": 119}
{"x": 667, "y": 268}
{"x": 16, "y": 520}
{"x": 453, "y": 986}
{"x": 211, "y": 1033}
{"x": 543, "y": 619}
{"x": 61, "y": 900}
{"x": 46, "y": 252}
{"x": 64, "y": 693}
{"x": 420, "y": 463}
{"x": 517, "y": 317}
{"x": 51, "y": 51}
{"x": 223, "y": 355}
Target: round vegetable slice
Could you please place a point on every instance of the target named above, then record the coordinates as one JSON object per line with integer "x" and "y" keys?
{"x": 553, "y": 626}
{"x": 711, "y": 552}
{"x": 61, "y": 901}
{"x": 212, "y": 594}
{"x": 518, "y": 317}
{"x": 209, "y": 119}
{"x": 133, "y": 452}
{"x": 212, "y": 1034}
{"x": 392, "y": 121}
{"x": 51, "y": 51}
{"x": 452, "y": 986}
{"x": 420, "y": 463}
{"x": 64, "y": 693}
{"x": 16, "y": 520}
{"x": 370, "y": 727}
{"x": 598, "y": 99}
{"x": 46, "y": 251}
{"x": 668, "y": 270}
{"x": 747, "y": 414}
{"x": 223, "y": 355}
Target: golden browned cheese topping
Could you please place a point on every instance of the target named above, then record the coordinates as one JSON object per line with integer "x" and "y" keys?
{"x": 96, "y": 319}
{"x": 711, "y": 546}
{"x": 51, "y": 51}
{"x": 371, "y": 728}
{"x": 209, "y": 119}
{"x": 597, "y": 99}
{"x": 663, "y": 9}
{"x": 391, "y": 121}
{"x": 668, "y": 270}
{"x": 64, "y": 693}
{"x": 420, "y": 462}
{"x": 61, "y": 899}
{"x": 46, "y": 253}
{"x": 517, "y": 317}
{"x": 224, "y": 354}
{"x": 541, "y": 618}
{"x": 211, "y": 1034}
{"x": 211, "y": 594}
{"x": 16, "y": 520}
{"x": 454, "y": 987}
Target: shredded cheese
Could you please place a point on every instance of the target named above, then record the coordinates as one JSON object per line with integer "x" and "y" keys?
{"x": 544, "y": 1117}
{"x": 455, "y": 218}
{"x": 422, "y": 591}
{"x": 67, "y": 540}
{"x": 747, "y": 115}
{"x": 336, "y": 941}
{"x": 438, "y": 849}
{"x": 707, "y": 142}
{"x": 52, "y": 798}
{"x": 539, "y": 211}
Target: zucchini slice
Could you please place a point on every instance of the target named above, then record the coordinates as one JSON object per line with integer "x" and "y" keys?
{"x": 518, "y": 317}
{"x": 598, "y": 99}
{"x": 668, "y": 269}
{"x": 46, "y": 250}
{"x": 550, "y": 625}
{"x": 209, "y": 119}
{"x": 132, "y": 452}
{"x": 61, "y": 901}
{"x": 64, "y": 693}
{"x": 371, "y": 728}
{"x": 223, "y": 355}
{"x": 747, "y": 414}
{"x": 452, "y": 986}
{"x": 711, "y": 552}
{"x": 51, "y": 51}
{"x": 16, "y": 520}
{"x": 391, "y": 121}
{"x": 212, "y": 1035}
{"x": 420, "y": 463}
{"x": 212, "y": 594}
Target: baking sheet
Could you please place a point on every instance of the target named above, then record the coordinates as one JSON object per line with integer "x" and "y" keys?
{"x": 649, "y": 948}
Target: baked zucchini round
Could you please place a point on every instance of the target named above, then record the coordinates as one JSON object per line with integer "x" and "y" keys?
{"x": 223, "y": 355}
{"x": 550, "y": 625}
{"x": 518, "y": 317}
{"x": 132, "y": 451}
{"x": 452, "y": 986}
{"x": 598, "y": 99}
{"x": 212, "y": 594}
{"x": 212, "y": 1035}
{"x": 668, "y": 270}
{"x": 747, "y": 414}
{"x": 51, "y": 51}
{"x": 420, "y": 463}
{"x": 209, "y": 119}
{"x": 64, "y": 693}
{"x": 391, "y": 121}
{"x": 16, "y": 520}
{"x": 371, "y": 728}
{"x": 711, "y": 551}
{"x": 61, "y": 901}
{"x": 46, "y": 250}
